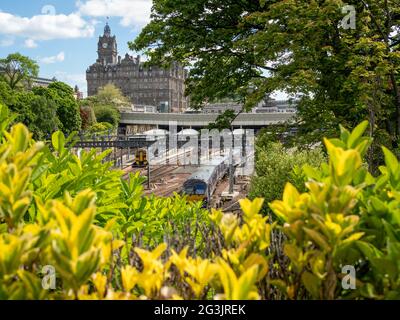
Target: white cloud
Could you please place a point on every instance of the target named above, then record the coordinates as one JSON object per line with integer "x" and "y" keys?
{"x": 46, "y": 26}
{"x": 30, "y": 43}
{"x": 133, "y": 13}
{"x": 53, "y": 59}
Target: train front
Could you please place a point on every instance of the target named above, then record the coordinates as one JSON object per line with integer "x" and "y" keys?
{"x": 196, "y": 191}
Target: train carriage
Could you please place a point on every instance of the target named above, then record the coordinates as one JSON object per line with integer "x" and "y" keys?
{"x": 201, "y": 185}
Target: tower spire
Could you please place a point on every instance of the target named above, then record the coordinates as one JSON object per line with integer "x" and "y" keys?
{"x": 107, "y": 29}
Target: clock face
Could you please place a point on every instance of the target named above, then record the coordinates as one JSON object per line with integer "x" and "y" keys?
{"x": 105, "y": 45}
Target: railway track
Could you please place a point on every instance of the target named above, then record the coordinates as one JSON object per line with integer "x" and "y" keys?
{"x": 155, "y": 173}
{"x": 158, "y": 173}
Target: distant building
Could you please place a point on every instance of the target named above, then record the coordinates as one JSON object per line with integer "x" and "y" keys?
{"x": 277, "y": 106}
{"x": 41, "y": 82}
{"x": 222, "y": 107}
{"x": 265, "y": 106}
{"x": 151, "y": 86}
{"x": 78, "y": 95}
{"x": 144, "y": 109}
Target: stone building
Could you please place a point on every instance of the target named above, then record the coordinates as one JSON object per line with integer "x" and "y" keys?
{"x": 152, "y": 86}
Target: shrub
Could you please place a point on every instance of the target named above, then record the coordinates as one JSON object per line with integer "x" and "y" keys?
{"x": 346, "y": 218}
{"x": 100, "y": 127}
{"x": 277, "y": 165}
{"x": 107, "y": 114}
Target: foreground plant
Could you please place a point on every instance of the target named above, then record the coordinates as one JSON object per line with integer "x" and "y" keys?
{"x": 337, "y": 222}
{"x": 50, "y": 218}
{"x": 54, "y": 215}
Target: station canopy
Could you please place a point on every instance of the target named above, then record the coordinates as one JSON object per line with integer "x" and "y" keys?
{"x": 188, "y": 132}
{"x": 239, "y": 132}
{"x": 156, "y": 132}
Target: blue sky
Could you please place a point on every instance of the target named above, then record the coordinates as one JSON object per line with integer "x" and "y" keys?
{"x": 62, "y": 35}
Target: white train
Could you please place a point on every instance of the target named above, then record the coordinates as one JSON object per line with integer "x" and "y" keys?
{"x": 201, "y": 184}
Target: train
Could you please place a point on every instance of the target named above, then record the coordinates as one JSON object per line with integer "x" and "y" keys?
{"x": 201, "y": 185}
{"x": 140, "y": 158}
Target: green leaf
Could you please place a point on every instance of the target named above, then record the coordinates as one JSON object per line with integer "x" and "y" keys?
{"x": 318, "y": 239}
{"x": 20, "y": 136}
{"x": 58, "y": 141}
{"x": 312, "y": 284}
{"x": 391, "y": 161}
{"x": 368, "y": 250}
{"x": 357, "y": 134}
{"x": 385, "y": 267}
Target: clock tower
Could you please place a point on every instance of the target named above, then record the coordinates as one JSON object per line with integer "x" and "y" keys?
{"x": 107, "y": 47}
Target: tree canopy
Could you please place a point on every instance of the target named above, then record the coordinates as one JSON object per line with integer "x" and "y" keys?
{"x": 16, "y": 68}
{"x": 111, "y": 95}
{"x": 252, "y": 48}
{"x": 67, "y": 107}
{"x": 6, "y": 94}
{"x": 38, "y": 113}
{"x": 45, "y": 120}
{"x": 107, "y": 114}
{"x": 105, "y": 105}
{"x": 223, "y": 121}
{"x": 43, "y": 110}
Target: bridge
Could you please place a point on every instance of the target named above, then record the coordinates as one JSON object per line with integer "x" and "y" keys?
{"x": 200, "y": 120}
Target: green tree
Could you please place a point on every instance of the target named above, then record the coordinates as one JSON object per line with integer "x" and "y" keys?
{"x": 45, "y": 120}
{"x": 111, "y": 95}
{"x": 101, "y": 128}
{"x": 223, "y": 121}
{"x": 37, "y": 112}
{"x": 106, "y": 105}
{"x": 17, "y": 69}
{"x": 68, "y": 110}
{"x": 6, "y": 94}
{"x": 107, "y": 114}
{"x": 252, "y": 48}
{"x": 22, "y": 107}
